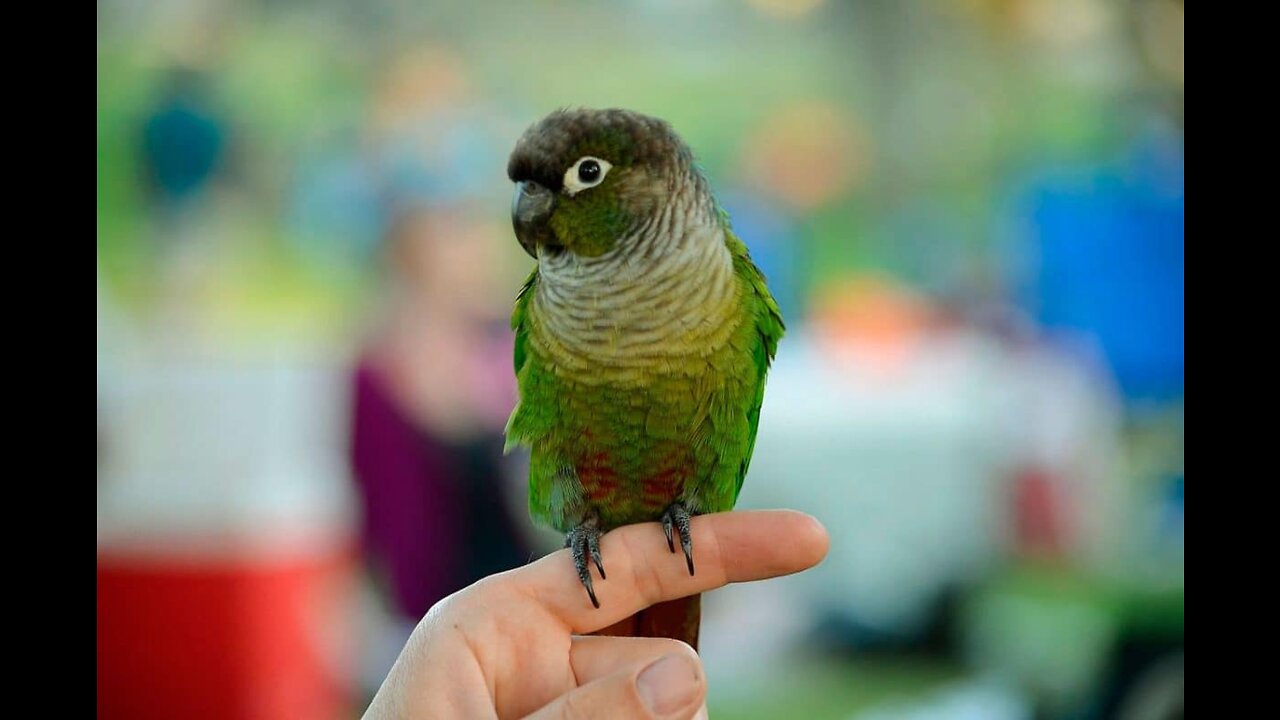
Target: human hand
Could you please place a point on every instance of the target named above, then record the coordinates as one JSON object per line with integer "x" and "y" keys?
{"x": 513, "y": 644}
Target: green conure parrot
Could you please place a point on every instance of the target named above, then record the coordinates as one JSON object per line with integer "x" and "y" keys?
{"x": 642, "y": 340}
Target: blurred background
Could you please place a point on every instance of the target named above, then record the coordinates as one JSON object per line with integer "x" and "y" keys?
{"x": 970, "y": 211}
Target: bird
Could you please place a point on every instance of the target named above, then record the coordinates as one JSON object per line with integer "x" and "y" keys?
{"x": 643, "y": 338}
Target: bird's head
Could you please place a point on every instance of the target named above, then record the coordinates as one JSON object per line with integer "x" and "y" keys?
{"x": 587, "y": 178}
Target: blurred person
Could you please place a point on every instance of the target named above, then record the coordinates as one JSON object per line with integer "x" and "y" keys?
{"x": 516, "y": 644}
{"x": 431, "y": 391}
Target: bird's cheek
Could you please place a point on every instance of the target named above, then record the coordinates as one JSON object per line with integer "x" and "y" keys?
{"x": 582, "y": 236}
{"x": 561, "y": 225}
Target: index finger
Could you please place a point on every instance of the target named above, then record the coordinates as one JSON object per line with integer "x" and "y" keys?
{"x": 728, "y": 547}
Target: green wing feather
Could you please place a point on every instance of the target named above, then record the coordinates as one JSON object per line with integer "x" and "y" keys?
{"x": 769, "y": 328}
{"x": 518, "y": 323}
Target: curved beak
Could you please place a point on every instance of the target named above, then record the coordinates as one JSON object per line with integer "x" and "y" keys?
{"x": 530, "y": 215}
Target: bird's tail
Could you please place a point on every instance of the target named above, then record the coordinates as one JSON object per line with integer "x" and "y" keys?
{"x": 677, "y": 619}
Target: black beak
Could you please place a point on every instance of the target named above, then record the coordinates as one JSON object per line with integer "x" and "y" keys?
{"x": 530, "y": 215}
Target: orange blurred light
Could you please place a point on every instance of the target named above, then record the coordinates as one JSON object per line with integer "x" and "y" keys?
{"x": 874, "y": 319}
{"x": 429, "y": 78}
{"x": 807, "y": 154}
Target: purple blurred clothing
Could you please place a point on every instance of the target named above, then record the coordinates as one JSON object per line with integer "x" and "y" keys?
{"x": 434, "y": 520}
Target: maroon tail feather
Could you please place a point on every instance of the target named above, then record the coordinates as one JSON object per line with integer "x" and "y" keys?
{"x": 677, "y": 619}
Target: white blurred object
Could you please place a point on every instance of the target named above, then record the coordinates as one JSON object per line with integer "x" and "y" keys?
{"x": 910, "y": 466}
{"x": 211, "y": 454}
{"x": 1071, "y": 418}
{"x": 982, "y": 699}
{"x": 905, "y": 471}
{"x": 748, "y": 631}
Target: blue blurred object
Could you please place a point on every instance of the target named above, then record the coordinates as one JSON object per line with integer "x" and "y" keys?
{"x": 442, "y": 158}
{"x": 336, "y": 203}
{"x": 1108, "y": 250}
{"x": 183, "y": 139}
{"x": 347, "y": 201}
{"x": 770, "y": 236}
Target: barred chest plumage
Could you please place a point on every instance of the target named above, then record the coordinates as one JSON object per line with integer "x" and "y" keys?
{"x": 659, "y": 303}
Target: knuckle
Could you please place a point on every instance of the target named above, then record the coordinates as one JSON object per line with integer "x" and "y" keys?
{"x": 715, "y": 558}
{"x": 646, "y": 577}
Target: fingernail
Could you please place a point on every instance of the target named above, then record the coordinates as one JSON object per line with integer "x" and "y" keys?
{"x": 669, "y": 684}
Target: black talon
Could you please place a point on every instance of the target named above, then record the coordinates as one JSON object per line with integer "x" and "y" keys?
{"x": 593, "y": 546}
{"x": 584, "y": 541}
{"x": 678, "y": 516}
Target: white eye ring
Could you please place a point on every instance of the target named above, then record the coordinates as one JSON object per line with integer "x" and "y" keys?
{"x": 573, "y": 182}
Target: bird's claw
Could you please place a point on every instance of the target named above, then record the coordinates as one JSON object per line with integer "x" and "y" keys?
{"x": 584, "y": 542}
{"x": 677, "y": 517}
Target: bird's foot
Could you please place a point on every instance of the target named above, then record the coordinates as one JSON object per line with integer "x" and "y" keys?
{"x": 584, "y": 541}
{"x": 677, "y": 517}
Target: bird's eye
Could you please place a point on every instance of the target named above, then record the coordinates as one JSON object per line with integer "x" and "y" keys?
{"x": 585, "y": 173}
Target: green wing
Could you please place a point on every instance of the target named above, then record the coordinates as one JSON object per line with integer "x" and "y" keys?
{"x": 519, "y": 321}
{"x": 520, "y": 324}
{"x": 546, "y": 498}
{"x": 768, "y": 330}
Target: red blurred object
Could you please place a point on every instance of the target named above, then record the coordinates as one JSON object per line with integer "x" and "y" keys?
{"x": 1039, "y": 515}
{"x": 222, "y": 638}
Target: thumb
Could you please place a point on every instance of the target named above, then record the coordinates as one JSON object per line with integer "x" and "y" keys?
{"x": 670, "y": 688}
